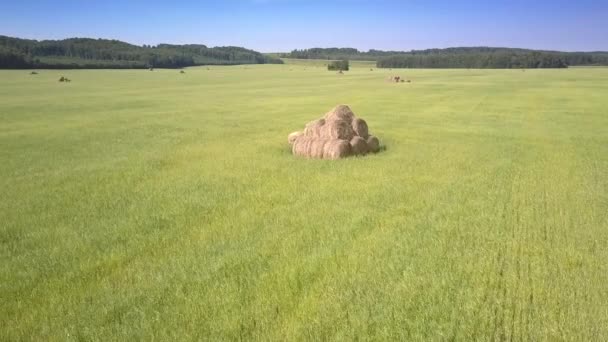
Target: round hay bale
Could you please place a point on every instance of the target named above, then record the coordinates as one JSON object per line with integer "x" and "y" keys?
{"x": 301, "y": 146}
{"x": 360, "y": 128}
{"x": 336, "y": 149}
{"x": 317, "y": 148}
{"x": 358, "y": 146}
{"x": 291, "y": 138}
{"x": 338, "y": 130}
{"x": 373, "y": 144}
{"x": 313, "y": 128}
{"x": 295, "y": 147}
{"x": 341, "y": 112}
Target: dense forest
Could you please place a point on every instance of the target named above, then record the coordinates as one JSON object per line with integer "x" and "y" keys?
{"x": 464, "y": 57}
{"x": 103, "y": 53}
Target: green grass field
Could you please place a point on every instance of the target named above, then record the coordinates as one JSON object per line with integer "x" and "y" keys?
{"x": 140, "y": 205}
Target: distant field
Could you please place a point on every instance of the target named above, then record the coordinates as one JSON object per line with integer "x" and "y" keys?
{"x": 140, "y": 205}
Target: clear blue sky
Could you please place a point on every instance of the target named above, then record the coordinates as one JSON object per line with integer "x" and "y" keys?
{"x": 283, "y": 25}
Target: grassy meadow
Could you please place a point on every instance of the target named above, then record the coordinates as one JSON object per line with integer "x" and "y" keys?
{"x": 138, "y": 205}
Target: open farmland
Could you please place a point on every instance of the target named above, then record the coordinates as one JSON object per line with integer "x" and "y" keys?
{"x": 138, "y": 205}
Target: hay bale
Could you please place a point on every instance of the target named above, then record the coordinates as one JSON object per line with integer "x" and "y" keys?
{"x": 338, "y": 135}
{"x": 313, "y": 128}
{"x": 316, "y": 149}
{"x": 336, "y": 149}
{"x": 373, "y": 144}
{"x": 300, "y": 146}
{"x": 291, "y": 138}
{"x": 341, "y": 112}
{"x": 338, "y": 130}
{"x": 358, "y": 146}
{"x": 360, "y": 128}
{"x": 319, "y": 148}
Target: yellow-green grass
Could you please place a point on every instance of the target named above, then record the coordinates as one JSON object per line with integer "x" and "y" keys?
{"x": 140, "y": 205}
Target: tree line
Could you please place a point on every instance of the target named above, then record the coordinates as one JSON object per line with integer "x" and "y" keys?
{"x": 104, "y": 53}
{"x": 342, "y": 65}
{"x": 460, "y": 57}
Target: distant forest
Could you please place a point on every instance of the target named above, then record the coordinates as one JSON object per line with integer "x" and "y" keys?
{"x": 463, "y": 57}
{"x": 18, "y": 53}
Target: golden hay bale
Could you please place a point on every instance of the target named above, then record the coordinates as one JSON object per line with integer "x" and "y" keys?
{"x": 373, "y": 144}
{"x": 360, "y": 128}
{"x": 317, "y": 148}
{"x": 340, "y": 113}
{"x": 339, "y": 134}
{"x": 358, "y": 145}
{"x": 338, "y": 130}
{"x": 335, "y": 149}
{"x": 291, "y": 138}
{"x": 309, "y": 147}
{"x": 313, "y": 128}
{"x": 300, "y": 145}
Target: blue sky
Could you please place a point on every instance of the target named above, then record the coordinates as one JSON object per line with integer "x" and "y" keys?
{"x": 283, "y": 25}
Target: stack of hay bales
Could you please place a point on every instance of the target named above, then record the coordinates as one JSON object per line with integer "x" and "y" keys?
{"x": 338, "y": 134}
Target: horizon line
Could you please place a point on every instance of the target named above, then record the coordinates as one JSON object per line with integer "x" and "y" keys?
{"x": 315, "y": 47}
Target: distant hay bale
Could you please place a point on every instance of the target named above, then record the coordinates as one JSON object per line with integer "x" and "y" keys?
{"x": 373, "y": 144}
{"x": 338, "y": 135}
{"x": 358, "y": 145}
{"x": 360, "y": 128}
{"x": 293, "y": 136}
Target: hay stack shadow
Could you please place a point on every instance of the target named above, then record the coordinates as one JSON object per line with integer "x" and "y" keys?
{"x": 339, "y": 134}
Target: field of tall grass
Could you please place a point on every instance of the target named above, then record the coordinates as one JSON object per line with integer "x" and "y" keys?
{"x": 139, "y": 205}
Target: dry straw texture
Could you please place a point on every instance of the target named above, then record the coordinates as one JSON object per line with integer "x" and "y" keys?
{"x": 338, "y": 134}
{"x": 360, "y": 128}
{"x": 373, "y": 144}
{"x": 359, "y": 145}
